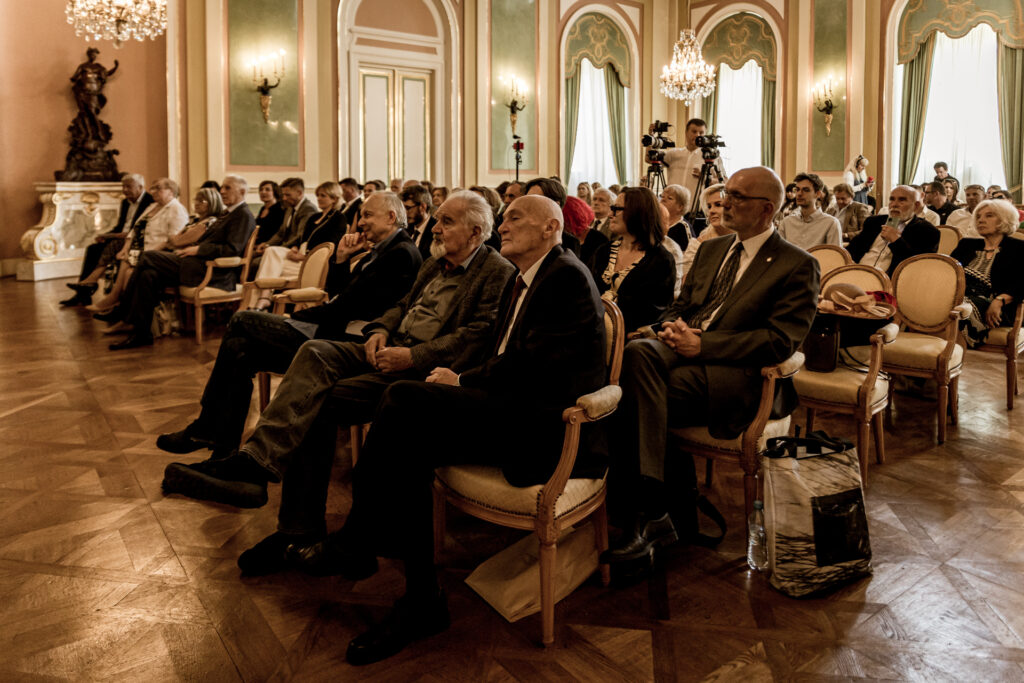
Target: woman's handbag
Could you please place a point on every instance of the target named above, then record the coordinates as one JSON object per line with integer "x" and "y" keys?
{"x": 814, "y": 514}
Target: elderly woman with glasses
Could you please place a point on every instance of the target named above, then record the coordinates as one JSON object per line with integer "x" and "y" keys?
{"x": 634, "y": 270}
{"x": 992, "y": 269}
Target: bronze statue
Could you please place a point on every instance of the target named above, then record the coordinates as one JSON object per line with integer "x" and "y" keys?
{"x": 88, "y": 159}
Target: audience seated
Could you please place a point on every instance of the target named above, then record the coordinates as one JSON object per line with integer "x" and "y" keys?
{"x": 416, "y": 201}
{"x": 298, "y": 210}
{"x": 371, "y": 186}
{"x": 103, "y": 251}
{"x": 886, "y": 241}
{"x": 585, "y": 193}
{"x": 936, "y": 199}
{"x": 187, "y": 266}
{"x": 810, "y": 227}
{"x": 712, "y": 200}
{"x": 546, "y": 351}
{"x": 850, "y": 214}
{"x": 962, "y": 219}
{"x": 264, "y": 342}
{"x": 992, "y": 269}
{"x": 555, "y": 191}
{"x": 439, "y": 194}
{"x": 578, "y": 218}
{"x": 270, "y": 217}
{"x": 676, "y": 199}
{"x": 327, "y": 225}
{"x": 162, "y": 220}
{"x": 353, "y": 200}
{"x": 748, "y": 302}
{"x": 602, "y": 206}
{"x": 635, "y": 270}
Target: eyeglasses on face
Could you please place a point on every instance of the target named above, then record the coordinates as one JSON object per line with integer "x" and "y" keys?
{"x": 737, "y": 198}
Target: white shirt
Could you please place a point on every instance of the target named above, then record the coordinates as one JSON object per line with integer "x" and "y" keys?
{"x": 528, "y": 278}
{"x": 819, "y": 228}
{"x": 677, "y": 256}
{"x": 929, "y": 216}
{"x": 162, "y": 222}
{"x": 879, "y": 255}
{"x": 961, "y": 220}
{"x": 681, "y": 163}
{"x": 751, "y": 246}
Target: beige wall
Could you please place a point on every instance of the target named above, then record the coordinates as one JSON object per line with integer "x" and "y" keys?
{"x": 36, "y": 106}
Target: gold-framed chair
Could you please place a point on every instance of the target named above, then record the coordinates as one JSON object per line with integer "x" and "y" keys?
{"x": 830, "y": 257}
{"x": 746, "y": 449}
{"x": 307, "y": 290}
{"x": 1008, "y": 341}
{"x": 929, "y": 291}
{"x": 547, "y": 508}
{"x": 949, "y": 237}
{"x": 203, "y": 295}
{"x": 868, "y": 278}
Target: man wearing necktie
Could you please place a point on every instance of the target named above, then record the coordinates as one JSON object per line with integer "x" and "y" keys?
{"x": 887, "y": 241}
{"x": 747, "y": 302}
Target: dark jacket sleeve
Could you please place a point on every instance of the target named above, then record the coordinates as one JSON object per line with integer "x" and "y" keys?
{"x": 331, "y": 231}
{"x": 648, "y": 289}
{"x": 231, "y": 237}
{"x": 919, "y": 237}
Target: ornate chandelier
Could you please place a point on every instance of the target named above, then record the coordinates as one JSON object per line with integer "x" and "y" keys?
{"x": 688, "y": 76}
{"x": 117, "y": 20}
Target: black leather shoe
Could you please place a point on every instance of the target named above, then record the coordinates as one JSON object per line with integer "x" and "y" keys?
{"x": 236, "y": 480}
{"x": 410, "y": 620}
{"x": 180, "y": 442}
{"x": 270, "y": 555}
{"x": 330, "y": 558}
{"x": 133, "y": 341}
{"x": 76, "y": 300}
{"x": 113, "y": 316}
{"x": 640, "y": 539}
{"x": 79, "y": 288}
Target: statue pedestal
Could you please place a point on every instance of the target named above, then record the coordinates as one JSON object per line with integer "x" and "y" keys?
{"x": 73, "y": 214}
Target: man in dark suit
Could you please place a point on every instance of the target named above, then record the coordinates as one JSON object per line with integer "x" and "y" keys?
{"x": 257, "y": 341}
{"x": 887, "y": 241}
{"x": 417, "y": 204}
{"x": 187, "y": 266}
{"x": 298, "y": 210}
{"x": 445, "y": 320}
{"x": 353, "y": 197}
{"x": 555, "y": 191}
{"x": 106, "y": 246}
{"x": 748, "y": 301}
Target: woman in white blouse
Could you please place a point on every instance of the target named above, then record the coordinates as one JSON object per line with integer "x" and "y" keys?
{"x": 163, "y": 219}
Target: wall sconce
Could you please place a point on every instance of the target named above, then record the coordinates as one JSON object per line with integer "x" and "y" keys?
{"x": 516, "y": 101}
{"x": 824, "y": 102}
{"x": 261, "y": 67}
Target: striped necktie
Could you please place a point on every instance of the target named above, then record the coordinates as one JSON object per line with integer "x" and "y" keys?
{"x": 720, "y": 289}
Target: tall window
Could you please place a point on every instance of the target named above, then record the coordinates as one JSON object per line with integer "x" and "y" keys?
{"x": 592, "y": 159}
{"x": 962, "y": 115}
{"x": 739, "y": 115}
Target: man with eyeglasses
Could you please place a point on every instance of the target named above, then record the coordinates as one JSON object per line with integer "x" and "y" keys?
{"x": 887, "y": 241}
{"x": 747, "y": 302}
{"x": 416, "y": 200}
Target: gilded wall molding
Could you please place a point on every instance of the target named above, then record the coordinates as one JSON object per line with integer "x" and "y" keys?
{"x": 956, "y": 18}
{"x": 597, "y": 38}
{"x": 739, "y": 38}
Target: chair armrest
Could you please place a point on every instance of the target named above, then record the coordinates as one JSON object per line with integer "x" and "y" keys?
{"x": 961, "y": 312}
{"x": 889, "y": 332}
{"x": 600, "y": 403}
{"x": 786, "y": 368}
{"x": 300, "y": 295}
{"x": 226, "y": 261}
{"x": 270, "y": 282}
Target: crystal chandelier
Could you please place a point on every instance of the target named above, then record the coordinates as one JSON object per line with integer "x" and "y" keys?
{"x": 117, "y": 20}
{"x": 688, "y": 76}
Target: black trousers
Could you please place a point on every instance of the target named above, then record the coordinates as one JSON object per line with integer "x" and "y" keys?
{"x": 156, "y": 270}
{"x": 98, "y": 254}
{"x": 253, "y": 342}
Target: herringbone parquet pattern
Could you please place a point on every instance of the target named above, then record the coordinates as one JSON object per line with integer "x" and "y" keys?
{"x": 101, "y": 577}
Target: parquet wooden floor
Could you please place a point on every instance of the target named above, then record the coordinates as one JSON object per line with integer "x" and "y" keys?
{"x": 101, "y": 577}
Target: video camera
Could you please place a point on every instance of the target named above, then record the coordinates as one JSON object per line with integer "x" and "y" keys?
{"x": 709, "y": 145}
{"x": 656, "y": 142}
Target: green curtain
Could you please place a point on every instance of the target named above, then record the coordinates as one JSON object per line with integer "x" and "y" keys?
{"x": 572, "y": 117}
{"x": 916, "y": 79}
{"x": 767, "y": 123}
{"x": 709, "y": 106}
{"x": 1010, "y": 82}
{"x": 616, "y": 120}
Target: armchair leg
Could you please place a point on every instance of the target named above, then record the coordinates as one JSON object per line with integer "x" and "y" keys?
{"x": 954, "y": 400}
{"x": 439, "y": 522}
{"x": 749, "y": 493}
{"x": 199, "y": 323}
{"x": 863, "y": 435}
{"x": 548, "y": 556}
{"x": 943, "y": 394}
{"x": 600, "y": 518}
{"x": 1011, "y": 381}
{"x": 810, "y": 419}
{"x": 878, "y": 429}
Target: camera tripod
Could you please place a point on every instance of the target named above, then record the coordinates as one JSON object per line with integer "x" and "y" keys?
{"x": 655, "y": 178}
{"x": 696, "y": 216}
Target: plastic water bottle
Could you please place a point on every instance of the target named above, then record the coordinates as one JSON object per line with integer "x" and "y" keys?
{"x": 757, "y": 539}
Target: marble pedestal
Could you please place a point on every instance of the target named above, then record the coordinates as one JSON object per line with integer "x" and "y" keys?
{"x": 73, "y": 214}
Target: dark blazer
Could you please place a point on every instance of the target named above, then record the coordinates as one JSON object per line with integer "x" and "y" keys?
{"x": 919, "y": 237}
{"x": 461, "y": 341}
{"x": 228, "y": 236}
{"x": 365, "y": 293}
{"x": 648, "y": 288}
{"x": 762, "y": 322}
{"x": 293, "y": 225}
{"x": 330, "y": 231}
{"x": 554, "y": 355}
{"x": 144, "y": 201}
{"x": 351, "y": 214}
{"x": 1007, "y": 267}
{"x": 570, "y": 243}
{"x": 269, "y": 224}
{"x": 593, "y": 241}
{"x": 680, "y": 234}
{"x": 426, "y": 239}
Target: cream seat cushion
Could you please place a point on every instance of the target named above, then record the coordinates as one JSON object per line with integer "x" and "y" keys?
{"x": 702, "y": 436}
{"x": 997, "y": 336}
{"x": 912, "y": 350}
{"x": 271, "y": 282}
{"x": 305, "y": 294}
{"x": 208, "y": 292}
{"x": 839, "y": 386}
{"x": 488, "y": 487}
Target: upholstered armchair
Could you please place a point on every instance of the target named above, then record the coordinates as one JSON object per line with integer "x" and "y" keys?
{"x": 1008, "y": 341}
{"x": 830, "y": 257}
{"x": 203, "y": 295}
{"x": 949, "y": 237}
{"x": 307, "y": 289}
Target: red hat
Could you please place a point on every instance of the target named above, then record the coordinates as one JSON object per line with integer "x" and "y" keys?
{"x": 577, "y": 217}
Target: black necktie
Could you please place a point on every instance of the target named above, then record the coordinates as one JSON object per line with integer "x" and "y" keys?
{"x": 720, "y": 288}
{"x": 517, "y": 291}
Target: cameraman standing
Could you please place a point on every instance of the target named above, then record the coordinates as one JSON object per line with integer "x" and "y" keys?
{"x": 684, "y": 163}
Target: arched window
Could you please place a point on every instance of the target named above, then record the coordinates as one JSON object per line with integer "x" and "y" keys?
{"x": 739, "y": 115}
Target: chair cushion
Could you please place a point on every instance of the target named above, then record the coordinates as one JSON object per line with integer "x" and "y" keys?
{"x": 913, "y": 350}
{"x": 271, "y": 282}
{"x": 838, "y": 387}
{"x": 702, "y": 436}
{"x": 304, "y": 294}
{"x": 488, "y": 487}
{"x": 997, "y": 336}
{"x": 208, "y": 292}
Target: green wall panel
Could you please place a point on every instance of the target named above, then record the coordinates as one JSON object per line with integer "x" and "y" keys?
{"x": 830, "y": 20}
{"x": 256, "y": 28}
{"x": 515, "y": 52}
